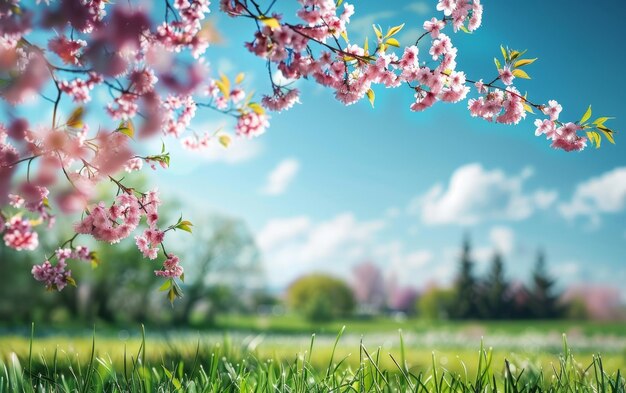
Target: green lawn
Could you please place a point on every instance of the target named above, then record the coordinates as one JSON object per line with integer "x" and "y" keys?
{"x": 379, "y": 360}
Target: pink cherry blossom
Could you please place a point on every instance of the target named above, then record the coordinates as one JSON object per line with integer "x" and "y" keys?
{"x": 434, "y": 27}
{"x": 506, "y": 75}
{"x": 553, "y": 110}
{"x": 171, "y": 268}
{"x": 251, "y": 124}
{"x": 19, "y": 234}
{"x": 281, "y": 101}
{"x": 447, "y": 6}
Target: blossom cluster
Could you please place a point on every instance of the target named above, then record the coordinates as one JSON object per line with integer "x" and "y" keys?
{"x": 56, "y": 276}
{"x": 352, "y": 70}
{"x": 71, "y": 53}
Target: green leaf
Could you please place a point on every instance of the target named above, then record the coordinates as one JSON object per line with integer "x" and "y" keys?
{"x": 504, "y": 53}
{"x": 272, "y": 23}
{"x": 520, "y": 74}
{"x": 586, "y": 116}
{"x": 394, "y": 30}
{"x": 224, "y": 140}
{"x": 171, "y": 296}
{"x": 166, "y": 285}
{"x": 528, "y": 108}
{"x": 392, "y": 42}
{"x": 239, "y": 78}
{"x": 70, "y": 280}
{"x": 524, "y": 62}
{"x": 258, "y": 109}
{"x": 76, "y": 118}
{"x": 464, "y": 29}
{"x": 344, "y": 35}
{"x": 223, "y": 86}
{"x": 594, "y": 138}
{"x": 184, "y": 226}
{"x": 608, "y": 133}
{"x": 497, "y": 62}
{"x": 127, "y": 128}
{"x": 601, "y": 120}
{"x": 371, "y": 96}
{"x": 515, "y": 54}
{"x": 377, "y": 31}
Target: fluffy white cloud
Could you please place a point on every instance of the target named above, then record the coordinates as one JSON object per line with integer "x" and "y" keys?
{"x": 280, "y": 177}
{"x": 363, "y": 23}
{"x": 292, "y": 246}
{"x": 186, "y": 161}
{"x": 280, "y": 230}
{"x": 502, "y": 238}
{"x": 475, "y": 195}
{"x": 599, "y": 195}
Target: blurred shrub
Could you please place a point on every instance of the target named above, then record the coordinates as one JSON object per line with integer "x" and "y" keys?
{"x": 436, "y": 303}
{"x": 320, "y": 297}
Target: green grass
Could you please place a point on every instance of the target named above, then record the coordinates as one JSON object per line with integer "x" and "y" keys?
{"x": 294, "y": 324}
{"x": 180, "y": 363}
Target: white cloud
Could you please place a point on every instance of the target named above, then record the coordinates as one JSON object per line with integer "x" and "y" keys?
{"x": 394, "y": 256}
{"x": 599, "y": 195}
{"x": 185, "y": 161}
{"x": 475, "y": 195}
{"x": 279, "y": 230}
{"x": 280, "y": 177}
{"x": 419, "y": 7}
{"x": 292, "y": 246}
{"x": 503, "y": 239}
{"x": 363, "y": 24}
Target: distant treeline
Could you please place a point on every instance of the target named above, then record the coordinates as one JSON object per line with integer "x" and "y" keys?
{"x": 493, "y": 296}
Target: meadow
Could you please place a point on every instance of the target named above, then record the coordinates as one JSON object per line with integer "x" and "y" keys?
{"x": 286, "y": 353}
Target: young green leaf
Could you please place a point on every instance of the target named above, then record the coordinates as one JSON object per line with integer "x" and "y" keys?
{"x": 520, "y": 74}
{"x": 371, "y": 96}
{"x": 76, "y": 118}
{"x": 166, "y": 285}
{"x": 524, "y": 62}
{"x": 394, "y": 30}
{"x": 505, "y": 55}
{"x": 272, "y": 23}
{"x": 586, "y": 116}
{"x": 258, "y": 109}
{"x": 377, "y": 31}
{"x": 224, "y": 140}
{"x": 392, "y": 42}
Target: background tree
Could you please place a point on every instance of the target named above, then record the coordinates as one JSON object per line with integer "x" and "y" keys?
{"x": 320, "y": 297}
{"x": 436, "y": 303}
{"x": 465, "y": 304}
{"x": 224, "y": 269}
{"x": 496, "y": 302}
{"x": 544, "y": 300}
{"x": 368, "y": 285}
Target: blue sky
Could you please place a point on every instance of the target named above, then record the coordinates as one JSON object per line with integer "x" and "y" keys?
{"x": 329, "y": 186}
{"x": 401, "y": 188}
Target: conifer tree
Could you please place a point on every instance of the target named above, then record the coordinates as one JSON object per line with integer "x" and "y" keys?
{"x": 544, "y": 299}
{"x": 496, "y": 301}
{"x": 465, "y": 305}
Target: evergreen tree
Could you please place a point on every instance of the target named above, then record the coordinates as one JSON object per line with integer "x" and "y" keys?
{"x": 543, "y": 297}
{"x": 496, "y": 300}
{"x": 465, "y": 305}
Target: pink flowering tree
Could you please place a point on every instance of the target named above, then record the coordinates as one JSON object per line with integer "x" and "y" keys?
{"x": 153, "y": 66}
